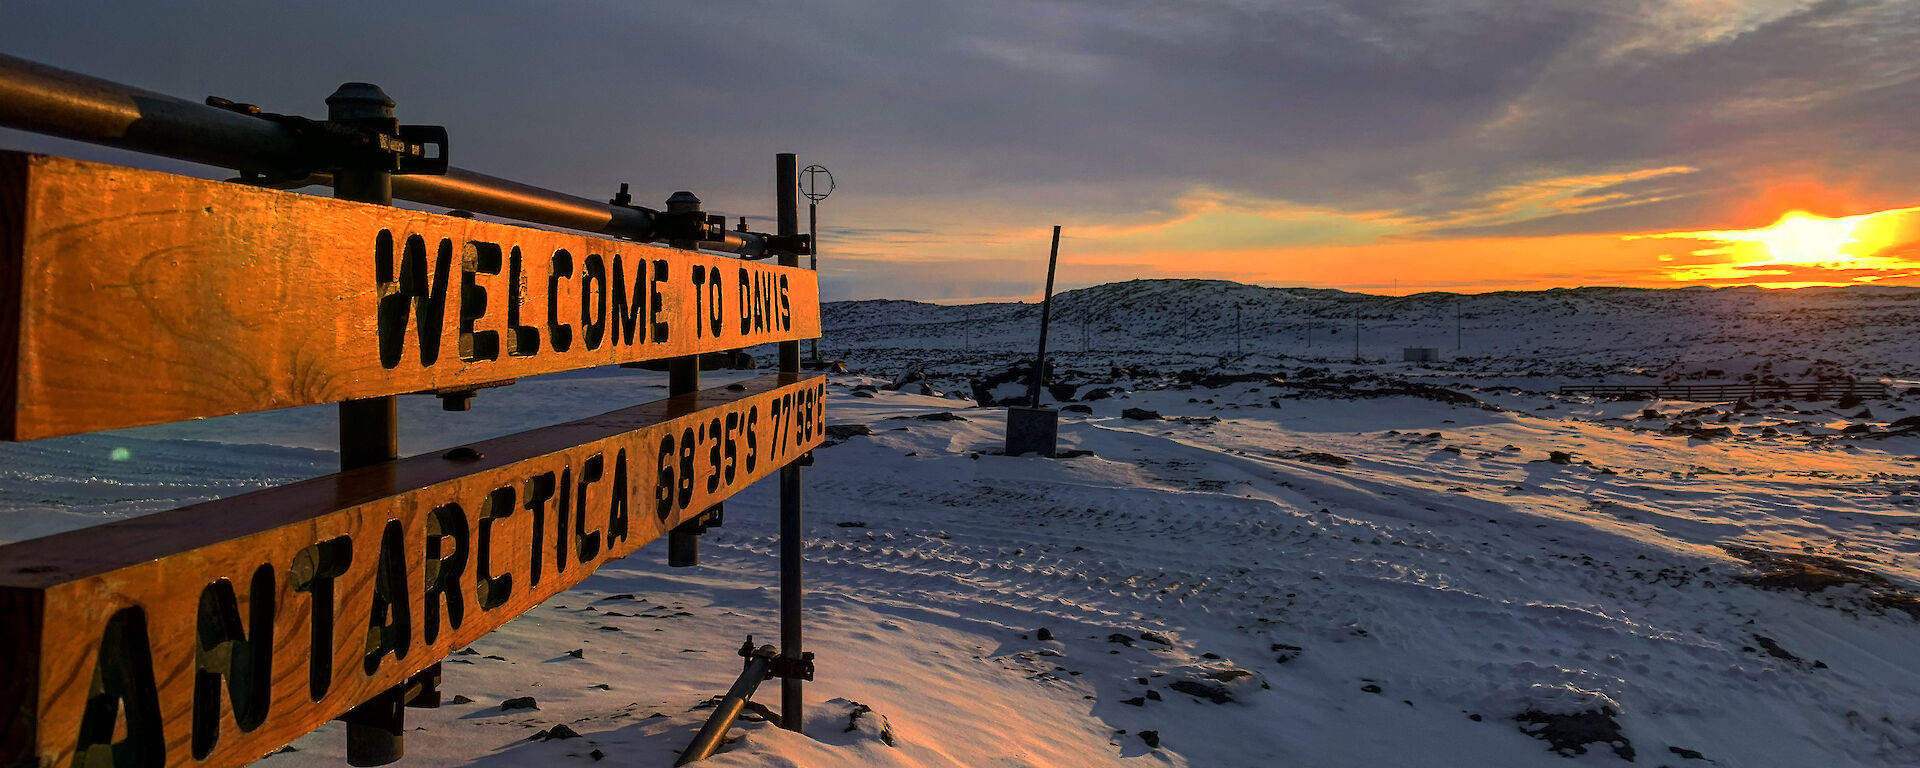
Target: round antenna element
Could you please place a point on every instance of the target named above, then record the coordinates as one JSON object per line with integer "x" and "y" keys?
{"x": 810, "y": 183}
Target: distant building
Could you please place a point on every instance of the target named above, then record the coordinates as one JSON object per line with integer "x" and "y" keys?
{"x": 1420, "y": 355}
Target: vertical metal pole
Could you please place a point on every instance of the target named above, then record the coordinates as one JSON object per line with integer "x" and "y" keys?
{"x": 787, "y": 195}
{"x": 813, "y": 259}
{"x": 683, "y": 542}
{"x": 1046, "y": 312}
{"x": 369, "y": 429}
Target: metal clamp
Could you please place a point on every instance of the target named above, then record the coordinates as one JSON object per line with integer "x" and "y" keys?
{"x": 328, "y": 146}
{"x": 796, "y": 245}
{"x": 461, "y": 398}
{"x": 789, "y": 667}
{"x": 779, "y": 665}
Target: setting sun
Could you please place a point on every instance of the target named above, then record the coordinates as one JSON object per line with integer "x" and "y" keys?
{"x": 1851, "y": 249}
{"x": 1803, "y": 238}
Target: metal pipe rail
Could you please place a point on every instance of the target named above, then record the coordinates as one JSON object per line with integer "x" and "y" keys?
{"x": 47, "y": 100}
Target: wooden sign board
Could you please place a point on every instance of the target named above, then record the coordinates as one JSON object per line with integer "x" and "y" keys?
{"x": 213, "y": 634}
{"x": 132, "y": 297}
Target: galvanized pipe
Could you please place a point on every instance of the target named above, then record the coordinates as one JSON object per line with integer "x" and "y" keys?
{"x": 48, "y": 100}
{"x": 708, "y": 740}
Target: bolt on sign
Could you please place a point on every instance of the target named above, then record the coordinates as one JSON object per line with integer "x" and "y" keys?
{"x": 212, "y": 634}
{"x": 237, "y": 299}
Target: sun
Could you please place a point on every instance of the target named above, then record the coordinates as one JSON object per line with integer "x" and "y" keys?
{"x": 1799, "y": 249}
{"x": 1797, "y": 238}
{"x": 1803, "y": 238}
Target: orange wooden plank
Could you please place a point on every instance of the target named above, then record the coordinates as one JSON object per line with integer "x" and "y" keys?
{"x": 215, "y": 633}
{"x": 132, "y": 297}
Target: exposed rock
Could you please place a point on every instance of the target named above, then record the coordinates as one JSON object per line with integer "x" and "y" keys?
{"x": 1815, "y": 573}
{"x": 1139, "y": 414}
{"x": 560, "y": 731}
{"x": 1315, "y": 457}
{"x": 1773, "y": 649}
{"x": 1199, "y": 689}
{"x": 1569, "y": 734}
{"x": 861, "y": 718}
{"x": 838, "y": 433}
{"x": 521, "y": 702}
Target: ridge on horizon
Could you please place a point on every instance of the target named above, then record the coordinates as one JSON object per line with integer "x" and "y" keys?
{"x": 1318, "y": 291}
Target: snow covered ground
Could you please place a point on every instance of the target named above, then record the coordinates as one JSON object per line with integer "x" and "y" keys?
{"x": 1282, "y": 558}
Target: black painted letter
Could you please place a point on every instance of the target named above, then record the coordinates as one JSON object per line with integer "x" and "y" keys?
{"x": 447, "y": 523}
{"x": 244, "y": 659}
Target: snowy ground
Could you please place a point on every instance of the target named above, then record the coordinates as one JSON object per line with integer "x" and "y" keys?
{"x": 1359, "y": 577}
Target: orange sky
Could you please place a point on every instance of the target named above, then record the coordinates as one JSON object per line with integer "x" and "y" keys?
{"x": 1801, "y": 235}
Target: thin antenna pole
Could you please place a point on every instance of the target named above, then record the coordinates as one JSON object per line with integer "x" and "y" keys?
{"x": 813, "y": 261}
{"x": 1046, "y": 311}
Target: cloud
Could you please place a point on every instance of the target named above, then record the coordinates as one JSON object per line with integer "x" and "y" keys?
{"x": 959, "y": 129}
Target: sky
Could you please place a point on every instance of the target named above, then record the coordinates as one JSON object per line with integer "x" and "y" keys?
{"x": 1384, "y": 146}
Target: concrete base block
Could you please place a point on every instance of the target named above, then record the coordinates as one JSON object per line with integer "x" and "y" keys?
{"x": 1032, "y": 430}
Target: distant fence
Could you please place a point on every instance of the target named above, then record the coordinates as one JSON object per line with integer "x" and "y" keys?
{"x": 215, "y": 633}
{"x": 1818, "y": 390}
